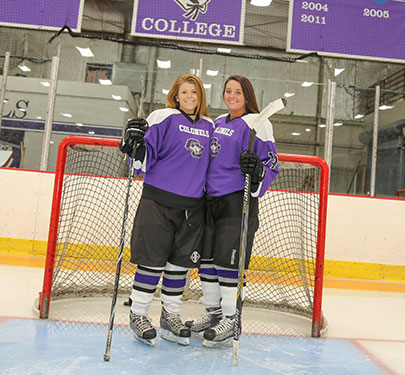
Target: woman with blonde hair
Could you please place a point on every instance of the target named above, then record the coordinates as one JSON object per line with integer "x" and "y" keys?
{"x": 172, "y": 148}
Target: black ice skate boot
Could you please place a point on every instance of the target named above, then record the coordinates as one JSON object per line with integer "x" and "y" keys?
{"x": 207, "y": 320}
{"x": 143, "y": 329}
{"x": 173, "y": 329}
{"x": 221, "y": 334}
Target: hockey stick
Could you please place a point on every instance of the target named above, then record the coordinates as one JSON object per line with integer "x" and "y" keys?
{"x": 268, "y": 111}
{"x": 123, "y": 231}
{"x": 119, "y": 261}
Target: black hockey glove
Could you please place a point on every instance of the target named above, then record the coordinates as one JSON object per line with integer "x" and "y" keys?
{"x": 133, "y": 134}
{"x": 250, "y": 163}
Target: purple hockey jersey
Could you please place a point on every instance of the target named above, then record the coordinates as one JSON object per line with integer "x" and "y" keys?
{"x": 177, "y": 152}
{"x": 228, "y": 141}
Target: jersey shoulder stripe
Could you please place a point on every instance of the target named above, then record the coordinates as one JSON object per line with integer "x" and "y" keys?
{"x": 158, "y": 116}
{"x": 207, "y": 119}
{"x": 221, "y": 116}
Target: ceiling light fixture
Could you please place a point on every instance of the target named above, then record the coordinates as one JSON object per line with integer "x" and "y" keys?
{"x": 164, "y": 64}
{"x": 384, "y": 107}
{"x": 261, "y": 3}
{"x": 24, "y": 68}
{"x": 338, "y": 71}
{"x": 212, "y": 73}
{"x": 85, "y": 52}
{"x": 289, "y": 94}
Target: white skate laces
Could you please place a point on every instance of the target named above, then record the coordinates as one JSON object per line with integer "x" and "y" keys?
{"x": 221, "y": 334}
{"x": 173, "y": 329}
{"x": 143, "y": 329}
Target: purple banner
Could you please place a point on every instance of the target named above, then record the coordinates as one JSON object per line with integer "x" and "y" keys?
{"x": 369, "y": 29}
{"x": 219, "y": 21}
{"x": 44, "y": 14}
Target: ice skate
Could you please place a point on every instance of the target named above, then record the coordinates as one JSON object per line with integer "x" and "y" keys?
{"x": 207, "y": 320}
{"x": 142, "y": 328}
{"x": 221, "y": 334}
{"x": 173, "y": 329}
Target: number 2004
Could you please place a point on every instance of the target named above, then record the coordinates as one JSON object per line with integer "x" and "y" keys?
{"x": 309, "y": 5}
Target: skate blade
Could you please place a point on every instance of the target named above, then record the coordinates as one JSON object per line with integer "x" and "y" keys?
{"x": 169, "y": 336}
{"x": 150, "y": 342}
{"x": 218, "y": 344}
{"x": 197, "y": 335}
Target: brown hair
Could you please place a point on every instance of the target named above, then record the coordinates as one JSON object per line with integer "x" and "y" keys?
{"x": 171, "y": 102}
{"x": 247, "y": 88}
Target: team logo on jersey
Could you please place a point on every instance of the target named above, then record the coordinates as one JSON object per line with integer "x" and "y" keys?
{"x": 215, "y": 147}
{"x": 272, "y": 160}
{"x": 193, "y": 7}
{"x": 196, "y": 148}
{"x": 195, "y": 256}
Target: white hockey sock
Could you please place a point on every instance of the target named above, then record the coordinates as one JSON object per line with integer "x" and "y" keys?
{"x": 209, "y": 284}
{"x": 145, "y": 282}
{"x": 228, "y": 284}
{"x": 211, "y": 294}
{"x": 174, "y": 280}
{"x": 140, "y": 302}
{"x": 228, "y": 302}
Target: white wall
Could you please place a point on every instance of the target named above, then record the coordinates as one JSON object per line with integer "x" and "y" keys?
{"x": 25, "y": 201}
{"x": 359, "y": 229}
{"x": 366, "y": 229}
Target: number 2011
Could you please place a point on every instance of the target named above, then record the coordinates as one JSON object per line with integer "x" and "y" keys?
{"x": 378, "y": 13}
{"x": 313, "y": 19}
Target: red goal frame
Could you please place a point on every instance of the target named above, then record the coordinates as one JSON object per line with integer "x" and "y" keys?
{"x": 45, "y": 295}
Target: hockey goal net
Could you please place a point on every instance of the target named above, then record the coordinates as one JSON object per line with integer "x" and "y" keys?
{"x": 286, "y": 269}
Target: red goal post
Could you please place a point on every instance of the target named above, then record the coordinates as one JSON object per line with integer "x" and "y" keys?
{"x": 400, "y": 194}
{"x": 286, "y": 269}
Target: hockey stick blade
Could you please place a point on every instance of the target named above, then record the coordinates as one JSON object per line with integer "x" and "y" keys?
{"x": 268, "y": 111}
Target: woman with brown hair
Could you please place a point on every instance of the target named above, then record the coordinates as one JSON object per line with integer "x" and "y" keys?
{"x": 231, "y": 158}
{"x": 172, "y": 148}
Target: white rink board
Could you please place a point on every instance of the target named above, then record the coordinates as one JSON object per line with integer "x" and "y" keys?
{"x": 358, "y": 228}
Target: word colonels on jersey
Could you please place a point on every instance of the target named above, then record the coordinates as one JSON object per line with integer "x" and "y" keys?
{"x": 194, "y": 131}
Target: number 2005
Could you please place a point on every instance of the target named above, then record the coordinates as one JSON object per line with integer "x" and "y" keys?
{"x": 378, "y": 13}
